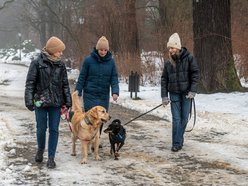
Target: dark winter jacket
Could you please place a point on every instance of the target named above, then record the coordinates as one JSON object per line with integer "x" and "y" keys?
{"x": 96, "y": 77}
{"x": 182, "y": 78}
{"x": 47, "y": 81}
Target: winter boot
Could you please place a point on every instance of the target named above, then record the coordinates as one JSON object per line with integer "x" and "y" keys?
{"x": 39, "y": 155}
{"x": 51, "y": 163}
{"x": 176, "y": 148}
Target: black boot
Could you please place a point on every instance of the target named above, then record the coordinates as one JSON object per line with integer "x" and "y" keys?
{"x": 176, "y": 148}
{"x": 51, "y": 163}
{"x": 39, "y": 155}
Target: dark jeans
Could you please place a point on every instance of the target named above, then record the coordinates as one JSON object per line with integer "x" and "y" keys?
{"x": 180, "y": 109}
{"x": 48, "y": 117}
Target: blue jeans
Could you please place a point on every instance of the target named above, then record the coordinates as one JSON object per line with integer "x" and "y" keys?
{"x": 180, "y": 109}
{"x": 47, "y": 117}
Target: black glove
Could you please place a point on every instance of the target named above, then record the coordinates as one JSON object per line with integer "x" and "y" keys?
{"x": 30, "y": 107}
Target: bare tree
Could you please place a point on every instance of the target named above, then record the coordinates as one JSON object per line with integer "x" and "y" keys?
{"x": 5, "y": 3}
{"x": 117, "y": 21}
{"x": 213, "y": 46}
{"x": 56, "y": 18}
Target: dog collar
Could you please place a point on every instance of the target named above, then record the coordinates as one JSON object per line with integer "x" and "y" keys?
{"x": 87, "y": 120}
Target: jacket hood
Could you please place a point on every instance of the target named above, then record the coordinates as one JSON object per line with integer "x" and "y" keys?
{"x": 184, "y": 52}
{"x": 95, "y": 55}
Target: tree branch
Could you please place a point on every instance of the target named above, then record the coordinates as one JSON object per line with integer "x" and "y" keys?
{"x": 5, "y": 4}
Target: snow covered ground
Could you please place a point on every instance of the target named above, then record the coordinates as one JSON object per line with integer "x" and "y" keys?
{"x": 220, "y": 137}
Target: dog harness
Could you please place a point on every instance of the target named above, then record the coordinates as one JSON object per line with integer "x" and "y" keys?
{"x": 121, "y": 136}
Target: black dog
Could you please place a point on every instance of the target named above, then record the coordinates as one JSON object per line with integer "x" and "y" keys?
{"x": 117, "y": 136}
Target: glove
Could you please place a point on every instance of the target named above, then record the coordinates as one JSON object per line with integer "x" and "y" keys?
{"x": 30, "y": 107}
{"x": 191, "y": 95}
{"x": 165, "y": 101}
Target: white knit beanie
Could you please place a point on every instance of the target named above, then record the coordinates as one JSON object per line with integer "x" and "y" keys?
{"x": 102, "y": 43}
{"x": 174, "y": 41}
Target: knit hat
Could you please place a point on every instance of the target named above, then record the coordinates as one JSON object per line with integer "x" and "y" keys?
{"x": 174, "y": 41}
{"x": 54, "y": 45}
{"x": 102, "y": 43}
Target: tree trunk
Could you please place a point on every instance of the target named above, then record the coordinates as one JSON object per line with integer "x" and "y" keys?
{"x": 41, "y": 14}
{"x": 213, "y": 47}
{"x": 131, "y": 35}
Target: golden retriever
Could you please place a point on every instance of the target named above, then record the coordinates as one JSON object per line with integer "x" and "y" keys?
{"x": 86, "y": 127}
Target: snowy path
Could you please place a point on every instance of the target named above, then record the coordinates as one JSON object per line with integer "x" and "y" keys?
{"x": 208, "y": 158}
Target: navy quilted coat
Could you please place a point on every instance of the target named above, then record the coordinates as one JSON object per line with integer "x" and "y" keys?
{"x": 96, "y": 77}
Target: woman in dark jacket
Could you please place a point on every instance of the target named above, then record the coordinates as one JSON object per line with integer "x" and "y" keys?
{"x": 98, "y": 74}
{"x": 180, "y": 79}
{"x": 46, "y": 90}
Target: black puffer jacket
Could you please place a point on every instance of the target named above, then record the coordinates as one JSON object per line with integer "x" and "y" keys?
{"x": 47, "y": 81}
{"x": 180, "y": 79}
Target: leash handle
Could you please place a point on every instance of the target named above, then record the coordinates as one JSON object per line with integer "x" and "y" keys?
{"x": 143, "y": 114}
{"x": 64, "y": 113}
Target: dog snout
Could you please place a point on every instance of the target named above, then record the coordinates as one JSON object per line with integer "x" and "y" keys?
{"x": 107, "y": 130}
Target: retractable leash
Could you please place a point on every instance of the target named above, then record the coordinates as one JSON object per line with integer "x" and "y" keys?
{"x": 143, "y": 114}
{"x": 64, "y": 114}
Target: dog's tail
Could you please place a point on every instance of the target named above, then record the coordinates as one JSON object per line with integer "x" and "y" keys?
{"x": 75, "y": 102}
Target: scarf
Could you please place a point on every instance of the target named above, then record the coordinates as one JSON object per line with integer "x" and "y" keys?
{"x": 49, "y": 56}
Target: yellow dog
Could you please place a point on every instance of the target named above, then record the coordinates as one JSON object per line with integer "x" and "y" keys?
{"x": 86, "y": 127}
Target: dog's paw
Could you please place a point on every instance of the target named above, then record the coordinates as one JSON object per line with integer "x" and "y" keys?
{"x": 83, "y": 161}
{"x": 73, "y": 154}
{"x": 116, "y": 158}
{"x": 98, "y": 158}
{"x": 117, "y": 154}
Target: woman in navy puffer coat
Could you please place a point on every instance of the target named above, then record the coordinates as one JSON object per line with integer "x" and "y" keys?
{"x": 97, "y": 76}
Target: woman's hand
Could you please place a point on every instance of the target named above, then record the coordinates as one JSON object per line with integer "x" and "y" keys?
{"x": 115, "y": 97}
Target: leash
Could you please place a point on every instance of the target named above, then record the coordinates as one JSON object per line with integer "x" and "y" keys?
{"x": 192, "y": 103}
{"x": 65, "y": 115}
{"x": 143, "y": 114}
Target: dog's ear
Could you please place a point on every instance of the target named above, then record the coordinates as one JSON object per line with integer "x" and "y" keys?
{"x": 94, "y": 112}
